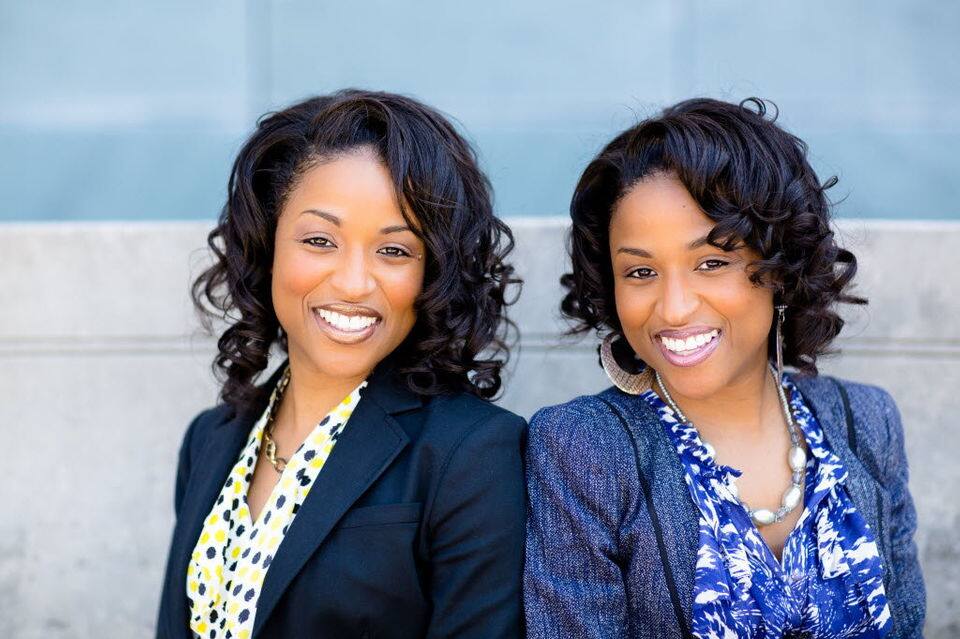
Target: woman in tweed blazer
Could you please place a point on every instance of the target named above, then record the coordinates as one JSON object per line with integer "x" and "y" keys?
{"x": 701, "y": 246}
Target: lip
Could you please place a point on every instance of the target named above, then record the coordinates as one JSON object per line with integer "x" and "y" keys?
{"x": 346, "y": 337}
{"x": 696, "y": 356}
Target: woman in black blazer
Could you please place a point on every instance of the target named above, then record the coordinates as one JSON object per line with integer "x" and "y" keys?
{"x": 358, "y": 238}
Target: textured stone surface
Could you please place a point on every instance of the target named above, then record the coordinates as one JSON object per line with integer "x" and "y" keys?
{"x": 102, "y": 365}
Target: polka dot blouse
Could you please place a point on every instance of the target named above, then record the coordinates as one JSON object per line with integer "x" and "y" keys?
{"x": 233, "y": 553}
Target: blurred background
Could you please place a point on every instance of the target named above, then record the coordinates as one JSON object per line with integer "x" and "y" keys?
{"x": 133, "y": 110}
{"x": 118, "y": 125}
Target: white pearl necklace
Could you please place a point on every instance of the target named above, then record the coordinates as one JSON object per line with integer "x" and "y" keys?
{"x": 796, "y": 458}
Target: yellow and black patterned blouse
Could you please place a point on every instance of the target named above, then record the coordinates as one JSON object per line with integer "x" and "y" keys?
{"x": 233, "y": 553}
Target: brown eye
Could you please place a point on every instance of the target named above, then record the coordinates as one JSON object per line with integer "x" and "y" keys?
{"x": 712, "y": 265}
{"x": 318, "y": 242}
{"x": 394, "y": 251}
{"x": 641, "y": 273}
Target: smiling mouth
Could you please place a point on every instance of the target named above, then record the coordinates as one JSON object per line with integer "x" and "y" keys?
{"x": 347, "y": 326}
{"x": 689, "y": 350}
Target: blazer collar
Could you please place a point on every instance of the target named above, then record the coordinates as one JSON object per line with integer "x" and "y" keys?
{"x": 210, "y": 465}
{"x": 369, "y": 443}
{"x": 662, "y": 474}
{"x": 823, "y": 399}
{"x": 666, "y": 473}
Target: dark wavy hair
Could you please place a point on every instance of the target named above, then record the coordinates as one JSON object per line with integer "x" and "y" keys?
{"x": 459, "y": 341}
{"x": 753, "y": 180}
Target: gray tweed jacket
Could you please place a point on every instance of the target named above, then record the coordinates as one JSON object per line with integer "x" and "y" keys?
{"x": 612, "y": 530}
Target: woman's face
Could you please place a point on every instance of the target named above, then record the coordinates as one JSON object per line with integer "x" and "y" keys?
{"x": 347, "y": 268}
{"x": 687, "y": 308}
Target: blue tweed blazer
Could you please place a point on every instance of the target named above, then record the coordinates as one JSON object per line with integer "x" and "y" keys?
{"x": 612, "y": 530}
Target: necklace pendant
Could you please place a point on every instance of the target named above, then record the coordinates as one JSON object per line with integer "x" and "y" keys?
{"x": 792, "y": 497}
{"x": 270, "y": 450}
{"x": 797, "y": 458}
{"x": 763, "y": 517}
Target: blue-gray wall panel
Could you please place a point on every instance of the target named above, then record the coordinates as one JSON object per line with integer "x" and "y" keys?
{"x": 120, "y": 110}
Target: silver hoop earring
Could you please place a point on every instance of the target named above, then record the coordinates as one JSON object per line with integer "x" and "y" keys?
{"x": 630, "y": 383}
{"x": 781, "y": 313}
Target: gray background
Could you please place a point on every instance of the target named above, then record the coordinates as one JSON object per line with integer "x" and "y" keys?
{"x": 102, "y": 366}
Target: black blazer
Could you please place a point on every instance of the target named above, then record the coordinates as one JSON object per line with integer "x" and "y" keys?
{"x": 414, "y": 527}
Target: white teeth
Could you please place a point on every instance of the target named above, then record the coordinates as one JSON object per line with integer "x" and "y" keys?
{"x": 691, "y": 343}
{"x": 347, "y": 322}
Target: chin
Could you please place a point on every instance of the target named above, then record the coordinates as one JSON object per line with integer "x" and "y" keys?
{"x": 335, "y": 361}
{"x": 692, "y": 383}
{"x": 346, "y": 365}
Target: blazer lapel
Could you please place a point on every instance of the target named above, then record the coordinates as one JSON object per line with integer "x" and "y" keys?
{"x": 209, "y": 469}
{"x": 674, "y": 511}
{"x": 823, "y": 400}
{"x": 369, "y": 443}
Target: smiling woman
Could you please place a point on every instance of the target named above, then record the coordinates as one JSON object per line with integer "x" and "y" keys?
{"x": 367, "y": 488}
{"x": 710, "y": 493}
{"x": 347, "y": 268}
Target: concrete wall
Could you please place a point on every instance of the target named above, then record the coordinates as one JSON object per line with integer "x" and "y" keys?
{"x": 101, "y": 367}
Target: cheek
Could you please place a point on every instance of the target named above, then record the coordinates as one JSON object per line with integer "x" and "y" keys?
{"x": 294, "y": 276}
{"x": 745, "y": 307}
{"x": 401, "y": 290}
{"x": 633, "y": 307}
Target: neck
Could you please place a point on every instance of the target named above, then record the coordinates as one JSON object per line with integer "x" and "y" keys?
{"x": 310, "y": 396}
{"x": 742, "y": 407}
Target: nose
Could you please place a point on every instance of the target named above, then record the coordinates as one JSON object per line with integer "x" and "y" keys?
{"x": 678, "y": 301}
{"x": 353, "y": 278}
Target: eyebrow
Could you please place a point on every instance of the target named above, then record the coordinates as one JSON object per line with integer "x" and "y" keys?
{"x": 330, "y": 217}
{"x": 400, "y": 228}
{"x": 333, "y": 219}
{"x": 695, "y": 244}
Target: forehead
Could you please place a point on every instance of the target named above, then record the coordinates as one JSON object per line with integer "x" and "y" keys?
{"x": 355, "y": 186}
{"x": 658, "y": 209}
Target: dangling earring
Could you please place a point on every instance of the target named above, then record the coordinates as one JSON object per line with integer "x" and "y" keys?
{"x": 781, "y": 312}
{"x": 630, "y": 383}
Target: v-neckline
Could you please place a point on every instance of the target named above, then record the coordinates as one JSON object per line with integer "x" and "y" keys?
{"x": 256, "y": 523}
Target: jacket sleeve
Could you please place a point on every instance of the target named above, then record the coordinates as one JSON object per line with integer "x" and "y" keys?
{"x": 577, "y": 472}
{"x": 183, "y": 474}
{"x": 907, "y": 594}
{"x": 476, "y": 545}
{"x": 183, "y": 465}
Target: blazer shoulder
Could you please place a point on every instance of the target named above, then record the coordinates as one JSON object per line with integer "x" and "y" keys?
{"x": 204, "y": 422}
{"x": 875, "y": 412}
{"x": 862, "y": 394}
{"x": 866, "y": 396}
{"x": 587, "y": 418}
{"x": 466, "y": 409}
{"x": 452, "y": 417}
{"x": 584, "y": 406}
{"x": 587, "y": 450}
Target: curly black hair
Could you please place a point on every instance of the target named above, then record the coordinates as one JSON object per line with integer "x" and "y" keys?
{"x": 459, "y": 340}
{"x": 750, "y": 177}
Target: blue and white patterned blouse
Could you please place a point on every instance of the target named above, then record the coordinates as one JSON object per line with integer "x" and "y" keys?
{"x": 829, "y": 583}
